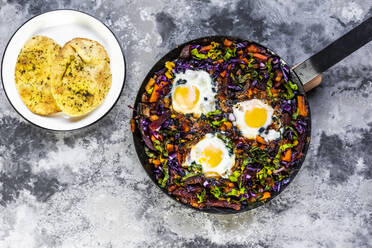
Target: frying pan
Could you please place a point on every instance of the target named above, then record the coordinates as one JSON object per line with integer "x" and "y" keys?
{"x": 306, "y": 75}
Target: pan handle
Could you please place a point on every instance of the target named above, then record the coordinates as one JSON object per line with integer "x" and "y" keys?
{"x": 310, "y": 70}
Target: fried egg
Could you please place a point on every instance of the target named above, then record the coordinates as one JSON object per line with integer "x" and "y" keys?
{"x": 213, "y": 155}
{"x": 193, "y": 92}
{"x": 253, "y": 116}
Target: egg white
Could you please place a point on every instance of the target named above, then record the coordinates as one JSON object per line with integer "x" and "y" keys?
{"x": 250, "y": 132}
{"x": 223, "y": 168}
{"x": 201, "y": 80}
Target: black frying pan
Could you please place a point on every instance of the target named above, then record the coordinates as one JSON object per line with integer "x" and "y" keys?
{"x": 306, "y": 75}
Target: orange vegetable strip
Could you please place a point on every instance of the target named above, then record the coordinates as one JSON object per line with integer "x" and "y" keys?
{"x": 155, "y": 93}
{"x": 170, "y": 147}
{"x": 260, "y": 56}
{"x": 302, "y": 110}
{"x": 179, "y": 158}
{"x": 206, "y": 48}
{"x": 132, "y": 125}
{"x": 223, "y": 74}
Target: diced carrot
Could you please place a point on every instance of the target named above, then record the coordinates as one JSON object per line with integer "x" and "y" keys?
{"x": 206, "y": 48}
{"x": 170, "y": 147}
{"x": 302, "y": 110}
{"x": 185, "y": 127}
{"x": 156, "y": 161}
{"x": 220, "y": 61}
{"x": 260, "y": 56}
{"x": 166, "y": 102}
{"x": 265, "y": 196}
{"x": 262, "y": 147}
{"x": 260, "y": 139}
{"x": 132, "y": 125}
{"x": 252, "y": 49}
{"x": 245, "y": 60}
{"x": 155, "y": 93}
{"x": 250, "y": 92}
{"x": 240, "y": 52}
{"x": 279, "y": 76}
{"x": 274, "y": 91}
{"x": 227, "y": 124}
{"x": 223, "y": 74}
{"x": 150, "y": 84}
{"x": 229, "y": 67}
{"x": 154, "y": 117}
{"x": 227, "y": 42}
{"x": 287, "y": 155}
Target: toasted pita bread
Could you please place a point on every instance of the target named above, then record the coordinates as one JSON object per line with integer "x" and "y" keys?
{"x": 33, "y": 74}
{"x": 81, "y": 76}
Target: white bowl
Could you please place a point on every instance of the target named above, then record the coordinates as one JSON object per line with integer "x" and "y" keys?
{"x": 62, "y": 26}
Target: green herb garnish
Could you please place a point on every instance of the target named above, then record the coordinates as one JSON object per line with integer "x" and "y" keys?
{"x": 201, "y": 196}
{"x": 191, "y": 174}
{"x": 218, "y": 123}
{"x": 149, "y": 154}
{"x": 157, "y": 145}
{"x": 295, "y": 115}
{"x": 216, "y": 192}
{"x": 194, "y": 167}
{"x": 229, "y": 53}
{"x": 293, "y": 85}
{"x": 289, "y": 95}
{"x": 216, "y": 112}
{"x": 198, "y": 55}
{"x": 163, "y": 182}
{"x": 234, "y": 176}
{"x": 234, "y": 192}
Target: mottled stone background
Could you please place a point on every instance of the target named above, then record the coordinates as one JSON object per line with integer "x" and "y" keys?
{"x": 88, "y": 189}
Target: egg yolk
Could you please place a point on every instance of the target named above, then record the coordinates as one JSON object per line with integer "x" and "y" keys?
{"x": 187, "y": 97}
{"x": 255, "y": 117}
{"x": 211, "y": 156}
